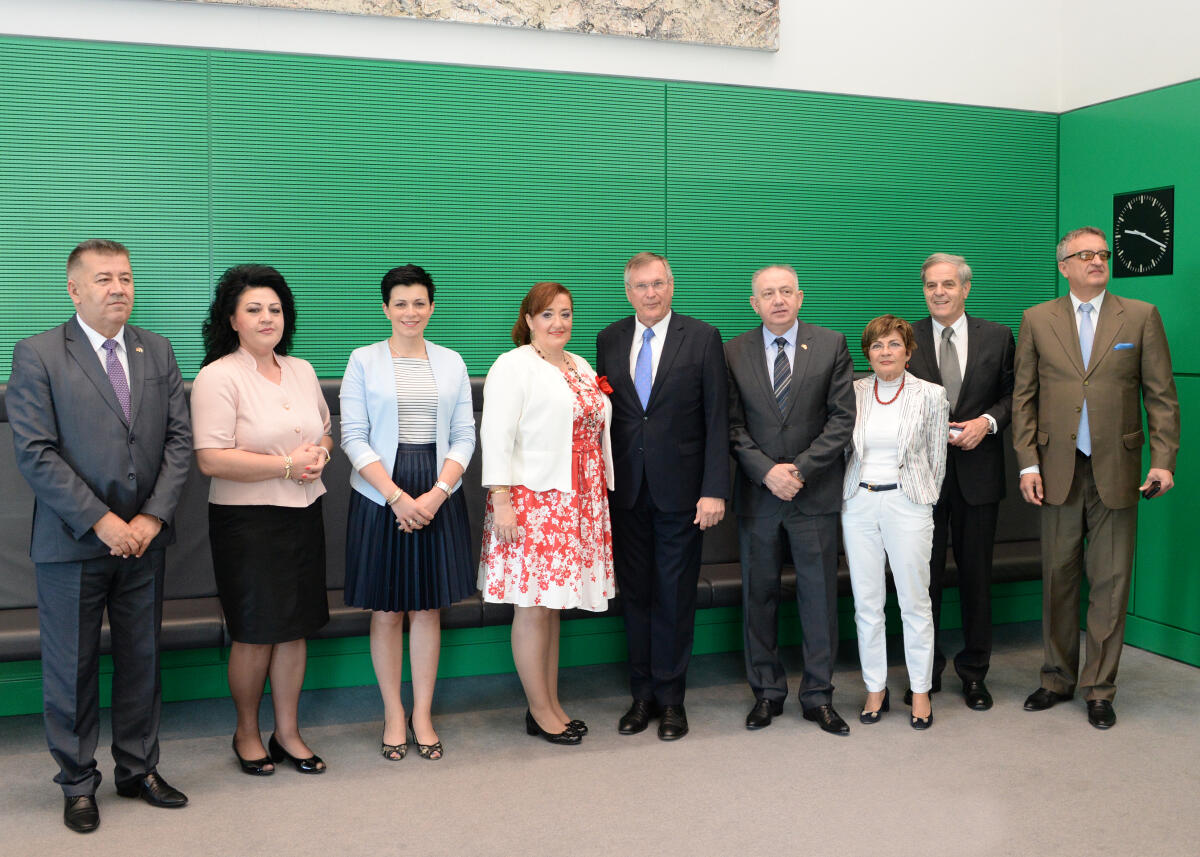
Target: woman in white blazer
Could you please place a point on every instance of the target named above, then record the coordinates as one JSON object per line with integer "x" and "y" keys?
{"x": 408, "y": 429}
{"x": 547, "y": 542}
{"x": 897, "y": 459}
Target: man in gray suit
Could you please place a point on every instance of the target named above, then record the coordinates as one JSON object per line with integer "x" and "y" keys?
{"x": 791, "y": 415}
{"x": 101, "y": 430}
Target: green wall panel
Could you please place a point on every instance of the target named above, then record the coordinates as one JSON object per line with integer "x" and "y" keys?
{"x": 105, "y": 141}
{"x": 1166, "y": 583}
{"x": 1143, "y": 141}
{"x": 855, "y": 193}
{"x": 336, "y": 170}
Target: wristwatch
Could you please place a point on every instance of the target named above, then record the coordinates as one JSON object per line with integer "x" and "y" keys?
{"x": 443, "y": 486}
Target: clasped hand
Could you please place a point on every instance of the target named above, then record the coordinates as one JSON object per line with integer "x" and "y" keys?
{"x": 308, "y": 461}
{"x": 127, "y": 539}
{"x": 413, "y": 513}
{"x": 783, "y": 480}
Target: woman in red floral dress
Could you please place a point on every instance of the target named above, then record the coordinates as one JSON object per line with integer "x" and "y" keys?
{"x": 547, "y": 542}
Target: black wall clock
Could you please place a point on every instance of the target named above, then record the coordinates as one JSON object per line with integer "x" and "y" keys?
{"x": 1144, "y": 233}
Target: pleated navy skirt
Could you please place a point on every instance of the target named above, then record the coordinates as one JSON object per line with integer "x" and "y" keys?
{"x": 388, "y": 569}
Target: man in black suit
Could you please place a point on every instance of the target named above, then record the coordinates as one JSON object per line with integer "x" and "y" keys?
{"x": 791, "y": 415}
{"x": 101, "y": 431}
{"x": 670, "y": 448}
{"x": 973, "y": 360}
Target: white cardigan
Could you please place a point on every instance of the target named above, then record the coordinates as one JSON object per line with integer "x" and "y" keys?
{"x": 924, "y": 433}
{"x": 525, "y": 433}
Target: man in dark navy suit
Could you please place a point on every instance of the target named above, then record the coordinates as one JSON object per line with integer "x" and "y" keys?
{"x": 973, "y": 359}
{"x": 101, "y": 430}
{"x": 670, "y": 447}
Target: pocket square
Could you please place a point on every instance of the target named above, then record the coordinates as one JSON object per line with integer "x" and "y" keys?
{"x": 1122, "y": 346}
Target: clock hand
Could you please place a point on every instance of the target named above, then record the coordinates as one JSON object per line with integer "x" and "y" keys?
{"x": 1147, "y": 237}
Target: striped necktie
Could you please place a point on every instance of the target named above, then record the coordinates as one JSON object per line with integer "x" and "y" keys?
{"x": 783, "y": 375}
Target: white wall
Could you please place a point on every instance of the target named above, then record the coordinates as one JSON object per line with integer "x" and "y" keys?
{"x": 1022, "y": 53}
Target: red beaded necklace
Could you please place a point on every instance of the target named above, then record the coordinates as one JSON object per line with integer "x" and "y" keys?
{"x": 893, "y": 398}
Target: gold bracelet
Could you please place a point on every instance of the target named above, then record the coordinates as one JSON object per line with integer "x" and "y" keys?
{"x": 287, "y": 467}
{"x": 328, "y": 455}
{"x": 399, "y": 493}
{"x": 498, "y": 489}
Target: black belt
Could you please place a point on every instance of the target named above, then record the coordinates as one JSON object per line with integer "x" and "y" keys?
{"x": 874, "y": 486}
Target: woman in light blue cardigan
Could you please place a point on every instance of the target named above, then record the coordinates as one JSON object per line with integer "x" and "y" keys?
{"x": 409, "y": 432}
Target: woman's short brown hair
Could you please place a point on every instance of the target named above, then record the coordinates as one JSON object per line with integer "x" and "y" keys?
{"x": 877, "y": 328}
{"x": 539, "y": 297}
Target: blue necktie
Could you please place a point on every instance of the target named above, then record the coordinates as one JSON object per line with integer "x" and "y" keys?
{"x": 642, "y": 378}
{"x": 1083, "y": 437}
{"x": 783, "y": 375}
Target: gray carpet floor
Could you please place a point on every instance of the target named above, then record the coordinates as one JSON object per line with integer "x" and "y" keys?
{"x": 1004, "y": 782}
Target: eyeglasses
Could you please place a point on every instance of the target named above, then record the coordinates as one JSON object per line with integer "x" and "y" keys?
{"x": 1088, "y": 255}
{"x": 656, "y": 285}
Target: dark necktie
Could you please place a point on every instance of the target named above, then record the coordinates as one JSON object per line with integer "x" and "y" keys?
{"x": 116, "y": 374}
{"x": 783, "y": 375}
{"x": 951, "y": 373}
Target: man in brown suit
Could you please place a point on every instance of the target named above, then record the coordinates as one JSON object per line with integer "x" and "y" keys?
{"x": 1082, "y": 362}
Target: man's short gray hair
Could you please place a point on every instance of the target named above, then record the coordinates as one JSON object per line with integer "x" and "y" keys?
{"x": 1060, "y": 252}
{"x": 780, "y": 267}
{"x": 645, "y": 258}
{"x": 963, "y": 269}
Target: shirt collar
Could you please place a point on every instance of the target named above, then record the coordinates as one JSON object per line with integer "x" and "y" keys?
{"x": 1095, "y": 302}
{"x": 660, "y": 329}
{"x": 790, "y": 335}
{"x": 98, "y": 339}
{"x": 958, "y": 327}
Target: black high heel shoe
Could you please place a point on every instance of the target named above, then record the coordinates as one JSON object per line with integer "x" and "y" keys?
{"x": 564, "y": 737}
{"x": 425, "y": 751}
{"x": 254, "y": 767}
{"x": 312, "y": 765}
{"x": 578, "y": 727}
{"x": 869, "y": 717}
{"x": 922, "y": 722}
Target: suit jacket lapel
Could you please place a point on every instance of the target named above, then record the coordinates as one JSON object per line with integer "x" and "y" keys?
{"x": 621, "y": 380}
{"x": 908, "y": 423}
{"x": 670, "y": 349}
{"x": 1112, "y": 316}
{"x": 1063, "y": 325}
{"x": 800, "y": 363}
{"x": 974, "y": 342}
{"x": 755, "y": 355}
{"x": 136, "y": 359}
{"x": 80, "y": 349}
{"x": 923, "y": 332}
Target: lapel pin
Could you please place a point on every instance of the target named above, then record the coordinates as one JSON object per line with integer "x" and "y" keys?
{"x": 804, "y": 345}
{"x": 138, "y": 349}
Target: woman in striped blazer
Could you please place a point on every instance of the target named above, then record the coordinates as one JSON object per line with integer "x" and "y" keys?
{"x": 894, "y": 472}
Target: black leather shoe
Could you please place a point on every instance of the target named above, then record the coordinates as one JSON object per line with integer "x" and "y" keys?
{"x": 976, "y": 695}
{"x": 1101, "y": 714}
{"x": 314, "y": 764}
{"x": 869, "y": 717}
{"x": 672, "y": 724}
{"x": 154, "y": 790}
{"x": 828, "y": 719}
{"x": 566, "y": 736}
{"x": 1041, "y": 699}
{"x": 936, "y": 688}
{"x": 637, "y": 718}
{"x": 762, "y": 712}
{"x": 81, "y": 814}
{"x": 920, "y": 723}
{"x": 577, "y": 726}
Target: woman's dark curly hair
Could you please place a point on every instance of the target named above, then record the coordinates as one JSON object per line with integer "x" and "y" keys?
{"x": 219, "y": 336}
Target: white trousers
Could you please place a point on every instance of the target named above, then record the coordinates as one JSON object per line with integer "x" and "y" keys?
{"x": 876, "y": 524}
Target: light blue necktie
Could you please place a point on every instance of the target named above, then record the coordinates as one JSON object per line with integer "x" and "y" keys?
{"x": 642, "y": 378}
{"x": 1083, "y": 437}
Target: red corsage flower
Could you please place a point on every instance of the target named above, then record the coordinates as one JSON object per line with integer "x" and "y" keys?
{"x": 602, "y": 383}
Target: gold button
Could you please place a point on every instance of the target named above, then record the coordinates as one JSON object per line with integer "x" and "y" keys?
{"x": 1085, "y": 383}
{"x": 297, "y": 429}
{"x": 287, "y": 406}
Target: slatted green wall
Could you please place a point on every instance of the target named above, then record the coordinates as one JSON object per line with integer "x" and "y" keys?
{"x": 334, "y": 170}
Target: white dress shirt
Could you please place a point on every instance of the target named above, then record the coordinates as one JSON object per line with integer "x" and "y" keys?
{"x": 656, "y": 345}
{"x": 771, "y": 349}
{"x": 98, "y": 339}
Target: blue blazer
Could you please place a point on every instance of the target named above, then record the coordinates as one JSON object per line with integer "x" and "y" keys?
{"x": 370, "y": 431}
